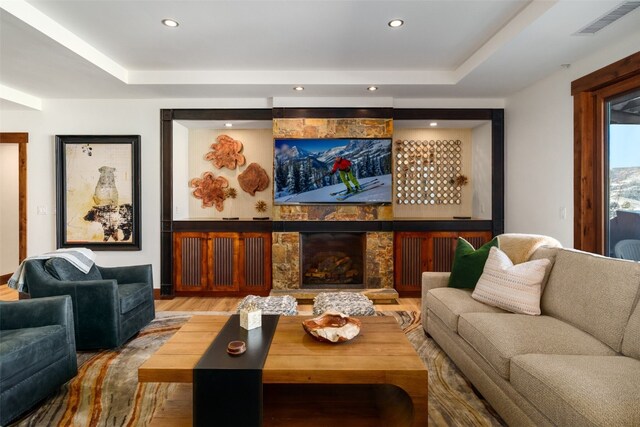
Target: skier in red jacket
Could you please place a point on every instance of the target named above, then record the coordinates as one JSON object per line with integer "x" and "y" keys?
{"x": 343, "y": 166}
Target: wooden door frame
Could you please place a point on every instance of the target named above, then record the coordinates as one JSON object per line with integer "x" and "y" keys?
{"x": 590, "y": 94}
{"x": 20, "y": 138}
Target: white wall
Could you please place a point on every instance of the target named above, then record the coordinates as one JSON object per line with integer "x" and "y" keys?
{"x": 482, "y": 173}
{"x": 8, "y": 208}
{"x": 180, "y": 171}
{"x": 539, "y": 148}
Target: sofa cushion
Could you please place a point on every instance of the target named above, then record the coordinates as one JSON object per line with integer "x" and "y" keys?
{"x": 24, "y": 352}
{"x": 580, "y": 390}
{"x": 62, "y": 269}
{"x": 549, "y": 253}
{"x": 499, "y": 337}
{"x": 631, "y": 340}
{"x": 515, "y": 288}
{"x": 593, "y": 293}
{"x": 520, "y": 247}
{"x": 449, "y": 303}
{"x": 468, "y": 263}
{"x": 132, "y": 295}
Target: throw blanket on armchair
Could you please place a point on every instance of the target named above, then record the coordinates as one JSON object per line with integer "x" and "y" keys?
{"x": 81, "y": 258}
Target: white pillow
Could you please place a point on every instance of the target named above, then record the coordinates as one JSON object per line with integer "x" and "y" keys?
{"x": 515, "y": 288}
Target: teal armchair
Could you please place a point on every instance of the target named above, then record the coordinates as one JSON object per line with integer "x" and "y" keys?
{"x": 37, "y": 352}
{"x": 110, "y": 305}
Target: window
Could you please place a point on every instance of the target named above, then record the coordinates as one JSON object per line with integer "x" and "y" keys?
{"x": 622, "y": 151}
{"x": 599, "y": 99}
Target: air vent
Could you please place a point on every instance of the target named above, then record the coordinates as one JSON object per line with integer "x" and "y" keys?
{"x": 610, "y": 17}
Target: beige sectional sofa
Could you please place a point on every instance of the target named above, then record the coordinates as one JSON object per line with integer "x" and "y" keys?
{"x": 577, "y": 364}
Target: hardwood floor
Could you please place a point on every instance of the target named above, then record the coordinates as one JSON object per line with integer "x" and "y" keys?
{"x": 7, "y": 294}
{"x": 228, "y": 303}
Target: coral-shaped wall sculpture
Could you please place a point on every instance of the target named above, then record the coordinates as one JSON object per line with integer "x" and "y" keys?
{"x": 226, "y": 153}
{"x": 253, "y": 179}
{"x": 210, "y": 189}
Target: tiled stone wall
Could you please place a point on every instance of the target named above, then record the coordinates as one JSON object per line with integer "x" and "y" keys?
{"x": 286, "y": 260}
{"x": 285, "y": 251}
{"x": 285, "y": 255}
{"x": 333, "y": 213}
{"x": 379, "y": 260}
{"x": 332, "y": 128}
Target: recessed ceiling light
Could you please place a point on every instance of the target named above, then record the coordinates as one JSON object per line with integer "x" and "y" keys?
{"x": 433, "y": 124}
{"x": 170, "y": 23}
{"x": 372, "y": 88}
{"x": 228, "y": 125}
{"x": 395, "y": 23}
{"x": 298, "y": 88}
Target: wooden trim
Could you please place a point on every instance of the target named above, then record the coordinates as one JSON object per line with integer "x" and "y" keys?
{"x": 607, "y": 76}
{"x": 332, "y": 113}
{"x": 443, "y": 113}
{"x": 590, "y": 95}
{"x": 14, "y": 137}
{"x": 20, "y": 138}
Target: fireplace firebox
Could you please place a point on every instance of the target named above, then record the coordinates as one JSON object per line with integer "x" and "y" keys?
{"x": 332, "y": 260}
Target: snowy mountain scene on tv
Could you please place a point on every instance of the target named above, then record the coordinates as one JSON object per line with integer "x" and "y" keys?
{"x": 332, "y": 171}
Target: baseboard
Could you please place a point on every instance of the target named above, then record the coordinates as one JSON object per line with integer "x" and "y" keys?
{"x": 4, "y": 279}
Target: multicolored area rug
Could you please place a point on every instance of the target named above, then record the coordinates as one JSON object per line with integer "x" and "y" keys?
{"x": 106, "y": 391}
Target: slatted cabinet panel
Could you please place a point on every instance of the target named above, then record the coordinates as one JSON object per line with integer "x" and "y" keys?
{"x": 257, "y": 262}
{"x": 217, "y": 263}
{"x": 416, "y": 252}
{"x": 190, "y": 261}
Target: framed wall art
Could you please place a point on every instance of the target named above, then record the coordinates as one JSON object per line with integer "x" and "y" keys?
{"x": 98, "y": 192}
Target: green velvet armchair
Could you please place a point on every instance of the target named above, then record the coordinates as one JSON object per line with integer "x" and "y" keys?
{"x": 37, "y": 352}
{"x": 110, "y": 305}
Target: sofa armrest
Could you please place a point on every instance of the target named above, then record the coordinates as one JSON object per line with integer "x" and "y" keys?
{"x": 129, "y": 274}
{"x": 432, "y": 280}
{"x": 33, "y": 313}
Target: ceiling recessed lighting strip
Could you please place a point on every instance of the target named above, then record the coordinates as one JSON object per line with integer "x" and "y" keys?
{"x": 298, "y": 88}
{"x": 170, "y": 23}
{"x": 372, "y": 88}
{"x": 395, "y": 23}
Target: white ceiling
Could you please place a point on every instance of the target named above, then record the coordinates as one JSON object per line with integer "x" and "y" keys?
{"x": 262, "y": 48}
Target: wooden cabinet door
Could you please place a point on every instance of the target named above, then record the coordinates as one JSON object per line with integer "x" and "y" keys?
{"x": 225, "y": 255}
{"x": 217, "y": 263}
{"x": 416, "y": 252}
{"x": 191, "y": 254}
{"x": 255, "y": 263}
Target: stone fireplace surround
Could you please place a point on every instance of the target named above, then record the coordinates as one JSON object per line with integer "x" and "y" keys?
{"x": 378, "y": 260}
{"x": 373, "y": 220}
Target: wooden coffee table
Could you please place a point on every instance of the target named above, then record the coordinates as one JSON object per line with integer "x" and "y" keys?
{"x": 375, "y": 379}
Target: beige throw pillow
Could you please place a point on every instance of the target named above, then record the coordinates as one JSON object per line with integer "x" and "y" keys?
{"x": 516, "y": 288}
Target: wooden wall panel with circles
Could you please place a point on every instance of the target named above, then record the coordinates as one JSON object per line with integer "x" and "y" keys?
{"x": 427, "y": 172}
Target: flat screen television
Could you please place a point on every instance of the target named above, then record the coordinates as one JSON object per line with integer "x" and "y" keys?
{"x": 332, "y": 171}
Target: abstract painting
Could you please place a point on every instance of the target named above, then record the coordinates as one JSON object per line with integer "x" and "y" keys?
{"x": 98, "y": 192}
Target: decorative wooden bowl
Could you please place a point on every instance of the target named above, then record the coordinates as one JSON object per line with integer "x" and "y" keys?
{"x": 332, "y": 327}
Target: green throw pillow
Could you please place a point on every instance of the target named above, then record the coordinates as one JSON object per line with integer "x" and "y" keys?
{"x": 468, "y": 263}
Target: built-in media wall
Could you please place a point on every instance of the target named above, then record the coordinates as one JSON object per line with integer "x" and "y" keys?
{"x": 216, "y": 177}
